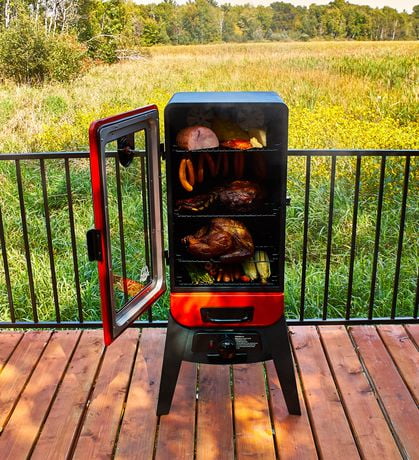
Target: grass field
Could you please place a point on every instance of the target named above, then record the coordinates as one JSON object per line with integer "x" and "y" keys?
{"x": 340, "y": 95}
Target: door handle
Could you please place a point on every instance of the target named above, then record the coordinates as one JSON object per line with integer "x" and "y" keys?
{"x": 94, "y": 247}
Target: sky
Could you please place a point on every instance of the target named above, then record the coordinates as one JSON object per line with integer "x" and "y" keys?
{"x": 399, "y": 5}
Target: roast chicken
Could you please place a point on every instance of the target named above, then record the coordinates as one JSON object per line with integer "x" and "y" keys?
{"x": 239, "y": 195}
{"x": 225, "y": 239}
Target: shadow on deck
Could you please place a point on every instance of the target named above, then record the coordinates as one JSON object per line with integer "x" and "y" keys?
{"x": 63, "y": 396}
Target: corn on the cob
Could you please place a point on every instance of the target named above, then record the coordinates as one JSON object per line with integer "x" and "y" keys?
{"x": 255, "y": 143}
{"x": 259, "y": 135}
{"x": 263, "y": 266}
{"x": 249, "y": 268}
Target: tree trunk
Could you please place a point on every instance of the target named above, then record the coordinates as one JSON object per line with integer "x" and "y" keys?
{"x": 37, "y": 11}
{"x": 395, "y": 24}
{"x": 7, "y": 13}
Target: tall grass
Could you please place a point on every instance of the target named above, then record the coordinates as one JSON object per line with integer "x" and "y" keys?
{"x": 340, "y": 95}
{"x": 331, "y": 106}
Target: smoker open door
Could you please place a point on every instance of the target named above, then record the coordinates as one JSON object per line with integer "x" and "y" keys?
{"x": 127, "y": 240}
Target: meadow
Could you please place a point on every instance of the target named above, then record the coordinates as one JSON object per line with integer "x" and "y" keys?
{"x": 349, "y": 95}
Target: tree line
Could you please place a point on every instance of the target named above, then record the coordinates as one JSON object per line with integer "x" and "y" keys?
{"x": 110, "y": 29}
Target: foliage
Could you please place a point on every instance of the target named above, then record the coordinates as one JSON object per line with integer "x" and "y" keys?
{"x": 102, "y": 25}
{"x": 23, "y": 53}
{"x": 28, "y": 55}
{"x": 105, "y": 26}
{"x": 66, "y": 58}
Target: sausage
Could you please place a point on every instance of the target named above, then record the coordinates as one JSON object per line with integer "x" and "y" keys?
{"x": 238, "y": 165}
{"x": 191, "y": 172}
{"x": 241, "y": 164}
{"x": 218, "y": 164}
{"x": 235, "y": 162}
{"x": 211, "y": 165}
{"x": 259, "y": 166}
{"x": 200, "y": 172}
{"x": 225, "y": 164}
{"x": 182, "y": 176}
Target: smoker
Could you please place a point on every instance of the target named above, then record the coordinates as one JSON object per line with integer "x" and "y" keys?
{"x": 226, "y": 159}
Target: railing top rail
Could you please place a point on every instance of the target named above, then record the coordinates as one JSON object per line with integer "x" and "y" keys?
{"x": 355, "y": 152}
{"x": 43, "y": 155}
{"x": 57, "y": 155}
{"x": 291, "y": 152}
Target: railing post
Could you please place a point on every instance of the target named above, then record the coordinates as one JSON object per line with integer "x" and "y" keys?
{"x": 353, "y": 238}
{"x": 49, "y": 239}
{"x": 26, "y": 240}
{"x": 305, "y": 238}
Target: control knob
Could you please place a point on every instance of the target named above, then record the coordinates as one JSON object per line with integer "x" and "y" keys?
{"x": 227, "y": 348}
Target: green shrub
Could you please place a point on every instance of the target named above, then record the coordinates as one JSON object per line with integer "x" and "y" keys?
{"x": 65, "y": 57}
{"x": 23, "y": 53}
{"x": 29, "y": 55}
{"x": 103, "y": 48}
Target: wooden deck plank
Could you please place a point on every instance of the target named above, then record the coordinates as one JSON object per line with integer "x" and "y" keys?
{"x": 138, "y": 430}
{"x": 43, "y": 393}
{"x": 293, "y": 436}
{"x": 214, "y": 440}
{"x": 373, "y": 435}
{"x": 391, "y": 389}
{"x": 330, "y": 426}
{"x": 23, "y": 427}
{"x": 404, "y": 354}
{"x": 99, "y": 430}
{"x": 254, "y": 438}
{"x": 8, "y": 342}
{"x": 176, "y": 431}
{"x": 413, "y": 330}
{"x": 18, "y": 369}
{"x": 61, "y": 425}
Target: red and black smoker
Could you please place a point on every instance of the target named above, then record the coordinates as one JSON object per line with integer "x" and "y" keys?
{"x": 225, "y": 203}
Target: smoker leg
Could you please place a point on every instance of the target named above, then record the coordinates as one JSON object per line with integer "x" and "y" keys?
{"x": 281, "y": 354}
{"x": 173, "y": 354}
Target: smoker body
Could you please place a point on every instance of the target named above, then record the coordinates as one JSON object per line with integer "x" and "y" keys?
{"x": 224, "y": 322}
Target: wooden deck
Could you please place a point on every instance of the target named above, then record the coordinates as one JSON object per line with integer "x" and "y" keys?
{"x": 63, "y": 396}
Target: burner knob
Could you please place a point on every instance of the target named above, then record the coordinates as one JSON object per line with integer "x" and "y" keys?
{"x": 227, "y": 348}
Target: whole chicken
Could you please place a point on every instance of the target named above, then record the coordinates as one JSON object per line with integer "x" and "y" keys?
{"x": 226, "y": 239}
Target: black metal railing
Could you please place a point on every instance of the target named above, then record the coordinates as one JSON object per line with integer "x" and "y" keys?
{"x": 330, "y": 175}
{"x": 359, "y": 155}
